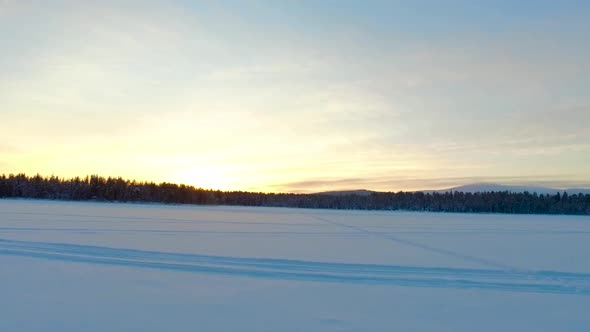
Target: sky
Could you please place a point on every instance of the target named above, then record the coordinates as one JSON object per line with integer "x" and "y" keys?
{"x": 298, "y": 96}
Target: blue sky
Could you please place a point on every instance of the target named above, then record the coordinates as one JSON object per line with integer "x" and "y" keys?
{"x": 298, "y": 95}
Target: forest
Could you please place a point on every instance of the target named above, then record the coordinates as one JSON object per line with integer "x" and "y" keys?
{"x": 110, "y": 189}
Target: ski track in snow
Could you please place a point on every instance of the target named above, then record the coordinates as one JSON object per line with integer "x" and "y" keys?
{"x": 310, "y": 271}
{"x": 389, "y": 237}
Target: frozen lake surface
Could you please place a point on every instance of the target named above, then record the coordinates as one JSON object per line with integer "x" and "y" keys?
{"x": 78, "y": 266}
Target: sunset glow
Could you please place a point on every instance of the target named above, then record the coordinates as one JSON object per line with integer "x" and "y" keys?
{"x": 300, "y": 97}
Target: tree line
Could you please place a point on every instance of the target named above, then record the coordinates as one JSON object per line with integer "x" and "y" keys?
{"x": 112, "y": 189}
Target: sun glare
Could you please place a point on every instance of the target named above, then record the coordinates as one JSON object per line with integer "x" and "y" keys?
{"x": 207, "y": 178}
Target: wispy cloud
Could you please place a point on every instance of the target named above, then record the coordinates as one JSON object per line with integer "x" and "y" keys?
{"x": 274, "y": 94}
{"x": 407, "y": 183}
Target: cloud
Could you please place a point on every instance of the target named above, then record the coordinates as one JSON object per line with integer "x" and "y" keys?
{"x": 272, "y": 97}
{"x": 409, "y": 183}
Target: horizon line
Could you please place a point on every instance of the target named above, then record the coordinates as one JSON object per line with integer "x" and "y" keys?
{"x": 298, "y": 192}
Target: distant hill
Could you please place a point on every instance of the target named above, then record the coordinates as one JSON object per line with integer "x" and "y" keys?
{"x": 473, "y": 188}
{"x": 489, "y": 187}
{"x": 359, "y": 192}
{"x": 578, "y": 190}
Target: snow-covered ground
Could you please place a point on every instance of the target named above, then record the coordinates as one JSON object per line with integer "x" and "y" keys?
{"x": 127, "y": 267}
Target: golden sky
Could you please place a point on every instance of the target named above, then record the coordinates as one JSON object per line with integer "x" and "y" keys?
{"x": 299, "y": 96}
